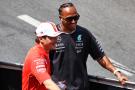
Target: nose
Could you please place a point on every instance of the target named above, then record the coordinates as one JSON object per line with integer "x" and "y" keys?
{"x": 74, "y": 21}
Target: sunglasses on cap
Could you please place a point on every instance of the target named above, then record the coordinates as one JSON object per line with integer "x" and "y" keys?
{"x": 71, "y": 18}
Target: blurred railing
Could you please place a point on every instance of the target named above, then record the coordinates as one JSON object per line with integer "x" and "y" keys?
{"x": 15, "y": 69}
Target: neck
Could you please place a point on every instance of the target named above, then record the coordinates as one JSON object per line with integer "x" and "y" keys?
{"x": 46, "y": 49}
{"x": 66, "y": 30}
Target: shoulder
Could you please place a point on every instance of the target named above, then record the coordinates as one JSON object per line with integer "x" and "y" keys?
{"x": 37, "y": 51}
{"x": 83, "y": 30}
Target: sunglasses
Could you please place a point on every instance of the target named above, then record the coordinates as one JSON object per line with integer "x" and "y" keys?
{"x": 71, "y": 18}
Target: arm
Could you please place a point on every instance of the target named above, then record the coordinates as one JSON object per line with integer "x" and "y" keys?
{"x": 105, "y": 63}
{"x": 39, "y": 70}
{"x": 50, "y": 85}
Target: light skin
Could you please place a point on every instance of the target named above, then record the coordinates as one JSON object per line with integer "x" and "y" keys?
{"x": 50, "y": 85}
{"x": 68, "y": 27}
{"x": 48, "y": 43}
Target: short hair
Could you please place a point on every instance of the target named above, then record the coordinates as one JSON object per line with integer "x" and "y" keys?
{"x": 37, "y": 39}
{"x": 64, "y": 6}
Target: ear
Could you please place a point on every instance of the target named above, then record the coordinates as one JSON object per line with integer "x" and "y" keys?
{"x": 40, "y": 38}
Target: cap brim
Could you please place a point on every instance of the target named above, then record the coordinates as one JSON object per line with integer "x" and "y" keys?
{"x": 55, "y": 34}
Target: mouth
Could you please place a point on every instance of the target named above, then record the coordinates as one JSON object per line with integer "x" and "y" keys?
{"x": 73, "y": 24}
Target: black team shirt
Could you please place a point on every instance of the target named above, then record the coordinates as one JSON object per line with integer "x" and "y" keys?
{"x": 69, "y": 58}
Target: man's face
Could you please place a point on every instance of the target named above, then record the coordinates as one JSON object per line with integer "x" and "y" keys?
{"x": 69, "y": 17}
{"x": 49, "y": 42}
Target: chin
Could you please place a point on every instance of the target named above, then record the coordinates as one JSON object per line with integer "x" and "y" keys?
{"x": 73, "y": 28}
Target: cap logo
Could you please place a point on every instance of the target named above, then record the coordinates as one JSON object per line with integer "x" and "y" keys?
{"x": 59, "y": 39}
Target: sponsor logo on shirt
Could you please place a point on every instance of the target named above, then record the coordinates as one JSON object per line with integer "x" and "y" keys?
{"x": 99, "y": 46}
{"x": 79, "y": 44}
{"x": 40, "y": 65}
{"x": 59, "y": 45}
{"x": 79, "y": 38}
{"x": 59, "y": 39}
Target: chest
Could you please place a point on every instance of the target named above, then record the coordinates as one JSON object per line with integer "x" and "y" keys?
{"x": 77, "y": 41}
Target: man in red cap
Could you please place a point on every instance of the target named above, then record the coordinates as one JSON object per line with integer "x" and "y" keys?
{"x": 36, "y": 70}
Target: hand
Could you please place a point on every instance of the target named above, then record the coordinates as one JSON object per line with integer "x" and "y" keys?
{"x": 62, "y": 85}
{"x": 122, "y": 78}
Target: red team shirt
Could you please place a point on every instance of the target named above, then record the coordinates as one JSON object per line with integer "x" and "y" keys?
{"x": 36, "y": 69}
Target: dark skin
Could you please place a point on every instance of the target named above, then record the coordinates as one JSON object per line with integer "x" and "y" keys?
{"x": 69, "y": 27}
